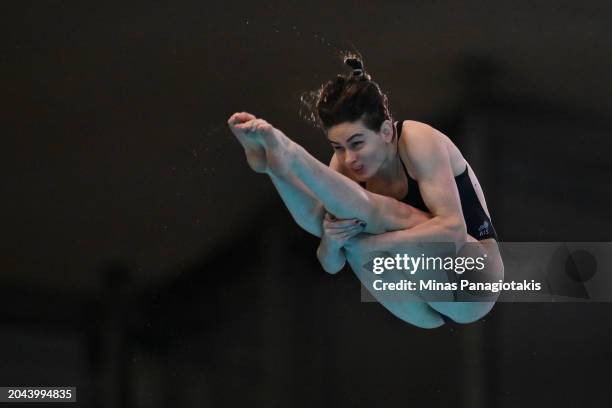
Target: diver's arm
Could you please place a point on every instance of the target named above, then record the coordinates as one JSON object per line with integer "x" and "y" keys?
{"x": 431, "y": 167}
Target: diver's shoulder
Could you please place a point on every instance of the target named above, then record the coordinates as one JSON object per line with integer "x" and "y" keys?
{"x": 415, "y": 132}
{"x": 414, "y": 126}
{"x": 420, "y": 145}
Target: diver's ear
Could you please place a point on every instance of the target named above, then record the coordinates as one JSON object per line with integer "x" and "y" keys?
{"x": 386, "y": 130}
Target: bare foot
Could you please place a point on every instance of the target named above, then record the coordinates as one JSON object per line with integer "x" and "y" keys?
{"x": 254, "y": 151}
{"x": 279, "y": 149}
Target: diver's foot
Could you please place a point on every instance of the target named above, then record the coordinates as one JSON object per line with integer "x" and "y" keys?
{"x": 279, "y": 149}
{"x": 280, "y": 152}
{"x": 253, "y": 149}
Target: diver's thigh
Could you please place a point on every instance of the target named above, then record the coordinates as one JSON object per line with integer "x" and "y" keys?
{"x": 470, "y": 305}
{"x": 404, "y": 304}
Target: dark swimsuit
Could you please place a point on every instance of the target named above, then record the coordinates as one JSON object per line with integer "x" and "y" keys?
{"x": 477, "y": 222}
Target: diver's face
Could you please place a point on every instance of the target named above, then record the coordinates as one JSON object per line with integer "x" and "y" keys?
{"x": 361, "y": 150}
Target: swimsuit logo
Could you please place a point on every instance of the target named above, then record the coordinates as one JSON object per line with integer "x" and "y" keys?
{"x": 483, "y": 229}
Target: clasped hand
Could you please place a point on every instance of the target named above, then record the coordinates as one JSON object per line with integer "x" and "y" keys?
{"x": 337, "y": 232}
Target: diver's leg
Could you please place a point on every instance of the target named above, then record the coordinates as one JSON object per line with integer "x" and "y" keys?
{"x": 339, "y": 195}
{"x": 405, "y": 305}
{"x": 253, "y": 150}
{"x": 345, "y": 198}
{"x": 460, "y": 305}
{"x": 469, "y": 306}
{"x": 304, "y": 206}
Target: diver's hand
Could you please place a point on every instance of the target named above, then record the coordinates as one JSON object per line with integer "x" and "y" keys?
{"x": 337, "y": 232}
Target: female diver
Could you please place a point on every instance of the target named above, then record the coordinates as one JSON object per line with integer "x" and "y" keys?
{"x": 389, "y": 188}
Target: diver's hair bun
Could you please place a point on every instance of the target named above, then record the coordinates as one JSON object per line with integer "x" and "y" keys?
{"x": 357, "y": 65}
{"x": 347, "y": 98}
{"x": 354, "y": 63}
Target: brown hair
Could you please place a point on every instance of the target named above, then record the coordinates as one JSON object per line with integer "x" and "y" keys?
{"x": 347, "y": 98}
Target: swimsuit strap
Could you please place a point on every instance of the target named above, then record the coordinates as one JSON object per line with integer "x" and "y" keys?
{"x": 398, "y": 127}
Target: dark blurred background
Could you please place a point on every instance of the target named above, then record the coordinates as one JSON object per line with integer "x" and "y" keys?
{"x": 143, "y": 262}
